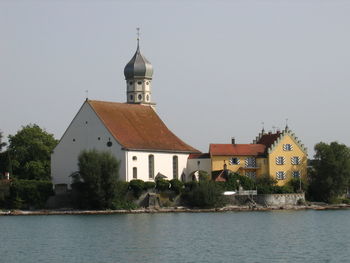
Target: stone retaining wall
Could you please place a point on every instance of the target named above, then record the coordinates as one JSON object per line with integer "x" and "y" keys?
{"x": 267, "y": 199}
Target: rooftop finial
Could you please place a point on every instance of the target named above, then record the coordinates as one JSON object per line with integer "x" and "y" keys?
{"x": 263, "y": 127}
{"x": 286, "y": 124}
{"x": 138, "y": 37}
{"x": 87, "y": 94}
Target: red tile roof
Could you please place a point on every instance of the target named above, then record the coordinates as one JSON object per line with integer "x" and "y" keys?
{"x": 199, "y": 156}
{"x": 237, "y": 149}
{"x": 138, "y": 127}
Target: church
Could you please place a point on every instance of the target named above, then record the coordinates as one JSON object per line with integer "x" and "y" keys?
{"x": 131, "y": 131}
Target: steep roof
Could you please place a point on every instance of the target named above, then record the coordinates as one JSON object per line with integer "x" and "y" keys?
{"x": 138, "y": 127}
{"x": 268, "y": 139}
{"x": 237, "y": 149}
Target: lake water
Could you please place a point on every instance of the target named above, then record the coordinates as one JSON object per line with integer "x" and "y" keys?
{"x": 276, "y": 236}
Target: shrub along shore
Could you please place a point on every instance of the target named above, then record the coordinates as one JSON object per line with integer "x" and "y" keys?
{"x": 311, "y": 206}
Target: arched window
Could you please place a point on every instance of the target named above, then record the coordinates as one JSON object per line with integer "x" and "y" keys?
{"x": 175, "y": 167}
{"x": 134, "y": 172}
{"x": 151, "y": 166}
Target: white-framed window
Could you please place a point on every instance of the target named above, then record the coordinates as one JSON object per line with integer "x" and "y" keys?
{"x": 134, "y": 172}
{"x": 151, "y": 166}
{"x": 280, "y": 160}
{"x": 234, "y": 160}
{"x": 287, "y": 147}
{"x": 250, "y": 162}
{"x": 251, "y": 174}
{"x": 295, "y": 160}
{"x": 280, "y": 175}
{"x": 296, "y": 174}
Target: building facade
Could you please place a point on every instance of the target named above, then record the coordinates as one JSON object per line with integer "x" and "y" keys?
{"x": 279, "y": 155}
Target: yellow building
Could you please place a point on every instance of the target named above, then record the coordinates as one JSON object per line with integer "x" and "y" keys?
{"x": 280, "y": 155}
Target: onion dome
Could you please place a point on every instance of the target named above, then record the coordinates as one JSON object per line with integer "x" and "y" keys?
{"x": 138, "y": 67}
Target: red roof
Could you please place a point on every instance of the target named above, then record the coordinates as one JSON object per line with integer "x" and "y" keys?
{"x": 138, "y": 127}
{"x": 268, "y": 139}
{"x": 199, "y": 156}
{"x": 237, "y": 149}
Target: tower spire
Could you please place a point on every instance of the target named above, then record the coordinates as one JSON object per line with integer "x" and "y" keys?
{"x": 138, "y": 75}
{"x": 138, "y": 37}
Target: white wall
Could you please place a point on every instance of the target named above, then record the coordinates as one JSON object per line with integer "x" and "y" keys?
{"x": 204, "y": 165}
{"x": 89, "y": 133}
{"x": 163, "y": 163}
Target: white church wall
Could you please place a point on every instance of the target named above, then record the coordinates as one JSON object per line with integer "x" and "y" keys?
{"x": 193, "y": 165}
{"x": 163, "y": 163}
{"x": 85, "y": 132}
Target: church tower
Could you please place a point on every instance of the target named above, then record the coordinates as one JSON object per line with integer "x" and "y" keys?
{"x": 138, "y": 75}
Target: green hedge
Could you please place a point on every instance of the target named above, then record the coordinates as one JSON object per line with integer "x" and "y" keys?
{"x": 26, "y": 194}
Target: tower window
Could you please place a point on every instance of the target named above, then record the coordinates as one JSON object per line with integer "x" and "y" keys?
{"x": 109, "y": 144}
{"x": 130, "y": 82}
{"x": 131, "y": 97}
{"x": 140, "y": 97}
{"x": 134, "y": 172}
{"x": 134, "y": 158}
{"x": 147, "y": 82}
{"x": 147, "y": 97}
{"x": 139, "y": 82}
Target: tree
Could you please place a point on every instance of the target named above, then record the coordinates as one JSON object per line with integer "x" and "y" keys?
{"x": 2, "y": 144}
{"x": 97, "y": 179}
{"x": 205, "y": 194}
{"x": 330, "y": 176}
{"x": 30, "y": 149}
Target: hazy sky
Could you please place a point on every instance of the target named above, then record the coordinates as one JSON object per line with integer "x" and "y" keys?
{"x": 221, "y": 68}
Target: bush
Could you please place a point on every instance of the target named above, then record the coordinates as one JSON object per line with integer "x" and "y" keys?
{"x": 176, "y": 186}
{"x": 150, "y": 185}
{"x": 190, "y": 185}
{"x": 295, "y": 184}
{"x": 162, "y": 184}
{"x": 98, "y": 177}
{"x": 235, "y": 180}
{"x": 206, "y": 194}
{"x": 203, "y": 176}
{"x": 137, "y": 187}
{"x": 29, "y": 194}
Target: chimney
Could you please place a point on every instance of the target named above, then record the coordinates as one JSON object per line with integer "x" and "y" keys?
{"x": 233, "y": 141}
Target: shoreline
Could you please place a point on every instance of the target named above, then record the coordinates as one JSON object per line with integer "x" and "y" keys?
{"x": 172, "y": 210}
